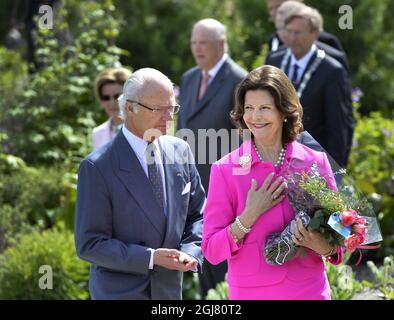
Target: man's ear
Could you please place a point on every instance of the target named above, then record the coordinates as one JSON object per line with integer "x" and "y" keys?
{"x": 129, "y": 106}
{"x": 223, "y": 45}
{"x": 317, "y": 34}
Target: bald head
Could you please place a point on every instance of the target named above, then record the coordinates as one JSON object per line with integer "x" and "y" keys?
{"x": 208, "y": 42}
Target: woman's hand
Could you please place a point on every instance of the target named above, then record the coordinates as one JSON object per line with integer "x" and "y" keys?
{"x": 310, "y": 239}
{"x": 260, "y": 200}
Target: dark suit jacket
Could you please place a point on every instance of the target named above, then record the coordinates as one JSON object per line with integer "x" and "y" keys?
{"x": 324, "y": 37}
{"x": 332, "y": 52}
{"x": 211, "y": 112}
{"x": 326, "y": 101}
{"x": 117, "y": 221}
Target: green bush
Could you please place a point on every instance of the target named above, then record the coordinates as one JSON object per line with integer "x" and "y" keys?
{"x": 384, "y": 276}
{"x": 371, "y": 164}
{"x": 219, "y": 293}
{"x": 54, "y": 110}
{"x": 20, "y": 265}
{"x": 342, "y": 281}
{"x": 30, "y": 196}
{"x": 191, "y": 286}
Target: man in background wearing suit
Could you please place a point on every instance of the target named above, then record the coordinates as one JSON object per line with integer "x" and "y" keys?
{"x": 207, "y": 97}
{"x": 140, "y": 200}
{"x": 275, "y": 41}
{"x": 288, "y": 8}
{"x": 322, "y": 84}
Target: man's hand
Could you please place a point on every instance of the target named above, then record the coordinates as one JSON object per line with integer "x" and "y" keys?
{"x": 173, "y": 259}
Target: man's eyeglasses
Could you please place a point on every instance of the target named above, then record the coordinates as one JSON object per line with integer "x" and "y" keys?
{"x": 162, "y": 110}
{"x": 108, "y": 97}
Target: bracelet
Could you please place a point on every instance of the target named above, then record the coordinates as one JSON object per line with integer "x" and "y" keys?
{"x": 241, "y": 226}
{"x": 236, "y": 239}
{"x": 331, "y": 252}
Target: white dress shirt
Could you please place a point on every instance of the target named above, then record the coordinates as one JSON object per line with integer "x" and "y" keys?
{"x": 302, "y": 63}
{"x": 213, "y": 72}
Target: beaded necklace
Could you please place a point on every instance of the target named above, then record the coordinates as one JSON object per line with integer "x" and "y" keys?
{"x": 281, "y": 157}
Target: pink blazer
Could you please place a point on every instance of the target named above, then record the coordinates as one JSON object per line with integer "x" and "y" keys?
{"x": 228, "y": 187}
{"x": 102, "y": 134}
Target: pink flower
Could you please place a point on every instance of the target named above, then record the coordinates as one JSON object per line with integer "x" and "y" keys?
{"x": 360, "y": 220}
{"x": 348, "y": 217}
{"x": 354, "y": 241}
{"x": 360, "y": 229}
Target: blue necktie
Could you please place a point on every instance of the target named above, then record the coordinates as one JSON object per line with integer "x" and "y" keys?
{"x": 294, "y": 78}
{"x": 155, "y": 176}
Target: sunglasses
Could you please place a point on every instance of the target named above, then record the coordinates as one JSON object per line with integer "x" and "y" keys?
{"x": 107, "y": 97}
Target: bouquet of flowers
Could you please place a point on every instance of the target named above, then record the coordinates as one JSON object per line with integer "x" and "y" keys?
{"x": 342, "y": 217}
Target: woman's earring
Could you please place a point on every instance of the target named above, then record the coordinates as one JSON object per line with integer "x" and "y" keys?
{"x": 285, "y": 120}
{"x": 241, "y": 132}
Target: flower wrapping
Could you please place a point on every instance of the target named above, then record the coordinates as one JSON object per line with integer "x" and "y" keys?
{"x": 343, "y": 217}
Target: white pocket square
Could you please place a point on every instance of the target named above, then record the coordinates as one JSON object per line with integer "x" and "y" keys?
{"x": 187, "y": 188}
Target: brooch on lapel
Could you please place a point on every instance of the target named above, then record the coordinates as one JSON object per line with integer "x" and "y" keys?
{"x": 245, "y": 160}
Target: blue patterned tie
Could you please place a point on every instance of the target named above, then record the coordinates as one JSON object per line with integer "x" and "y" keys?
{"x": 295, "y": 75}
{"x": 155, "y": 176}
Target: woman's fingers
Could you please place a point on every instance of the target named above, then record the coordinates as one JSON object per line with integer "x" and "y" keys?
{"x": 267, "y": 181}
{"x": 277, "y": 200}
{"x": 276, "y": 193}
{"x": 297, "y": 232}
{"x": 253, "y": 185}
{"x": 296, "y": 241}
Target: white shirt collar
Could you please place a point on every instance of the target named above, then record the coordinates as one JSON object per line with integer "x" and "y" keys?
{"x": 303, "y": 62}
{"x": 213, "y": 71}
{"x": 139, "y": 145}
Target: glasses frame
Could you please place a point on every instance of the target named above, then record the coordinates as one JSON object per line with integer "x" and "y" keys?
{"x": 161, "y": 111}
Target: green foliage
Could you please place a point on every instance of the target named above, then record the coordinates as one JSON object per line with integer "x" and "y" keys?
{"x": 30, "y": 196}
{"x": 342, "y": 281}
{"x": 169, "y": 23}
{"x": 384, "y": 276}
{"x": 21, "y": 262}
{"x": 219, "y": 293}
{"x": 191, "y": 286}
{"x": 371, "y": 164}
{"x": 54, "y": 110}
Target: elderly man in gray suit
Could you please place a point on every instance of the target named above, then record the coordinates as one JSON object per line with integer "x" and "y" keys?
{"x": 140, "y": 200}
{"x": 207, "y": 97}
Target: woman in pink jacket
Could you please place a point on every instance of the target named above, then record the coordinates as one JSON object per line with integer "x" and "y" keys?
{"x": 246, "y": 202}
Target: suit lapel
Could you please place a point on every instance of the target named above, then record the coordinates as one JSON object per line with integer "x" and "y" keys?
{"x": 212, "y": 89}
{"x": 192, "y": 100}
{"x": 174, "y": 178}
{"x": 129, "y": 171}
{"x": 308, "y": 65}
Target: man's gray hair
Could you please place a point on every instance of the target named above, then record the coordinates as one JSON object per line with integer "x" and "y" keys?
{"x": 286, "y": 9}
{"x": 136, "y": 83}
{"x": 313, "y": 17}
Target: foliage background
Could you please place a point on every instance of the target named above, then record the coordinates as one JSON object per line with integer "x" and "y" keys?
{"x": 46, "y": 116}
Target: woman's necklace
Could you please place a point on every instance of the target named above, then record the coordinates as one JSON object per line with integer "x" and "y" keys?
{"x": 281, "y": 157}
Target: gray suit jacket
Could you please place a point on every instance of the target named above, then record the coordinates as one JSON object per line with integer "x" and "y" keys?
{"x": 117, "y": 221}
{"x": 211, "y": 112}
